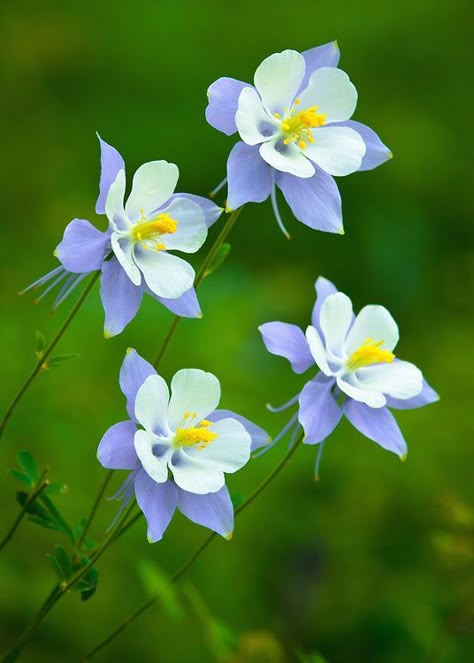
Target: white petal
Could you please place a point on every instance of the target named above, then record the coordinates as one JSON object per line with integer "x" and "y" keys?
{"x": 151, "y": 405}
{"x": 191, "y": 231}
{"x": 348, "y": 384}
{"x": 153, "y": 184}
{"x": 193, "y": 391}
{"x": 153, "y": 455}
{"x": 193, "y": 476}
{"x": 278, "y": 79}
{"x": 229, "y": 451}
{"x": 337, "y": 150}
{"x": 373, "y": 322}
{"x": 286, "y": 158}
{"x": 166, "y": 275}
{"x": 114, "y": 203}
{"x": 331, "y": 90}
{"x": 123, "y": 249}
{"x": 255, "y": 125}
{"x": 400, "y": 379}
{"x": 335, "y": 320}
{"x": 318, "y": 350}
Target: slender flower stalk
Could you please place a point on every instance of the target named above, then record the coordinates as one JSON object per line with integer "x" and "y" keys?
{"x": 195, "y": 556}
{"x": 203, "y": 272}
{"x": 93, "y": 510}
{"x": 40, "y": 487}
{"x": 41, "y": 363}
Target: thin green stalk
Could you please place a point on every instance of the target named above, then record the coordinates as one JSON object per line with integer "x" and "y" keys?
{"x": 203, "y": 272}
{"x": 195, "y": 556}
{"x": 41, "y": 485}
{"x": 93, "y": 511}
{"x": 42, "y": 359}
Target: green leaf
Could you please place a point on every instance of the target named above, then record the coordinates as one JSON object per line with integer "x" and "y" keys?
{"x": 56, "y": 516}
{"x": 219, "y": 259}
{"x": 55, "y": 489}
{"x": 88, "y": 583}
{"x": 61, "y": 359}
{"x": 158, "y": 583}
{"x": 40, "y": 343}
{"x": 19, "y": 476}
{"x": 29, "y": 465}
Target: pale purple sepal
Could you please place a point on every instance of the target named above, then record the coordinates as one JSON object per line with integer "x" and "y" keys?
{"x": 82, "y": 248}
{"x": 133, "y": 373}
{"x": 211, "y": 211}
{"x": 249, "y": 177}
{"x": 326, "y": 55}
{"x": 258, "y": 436}
{"x": 323, "y": 288}
{"x": 111, "y": 162}
{"x": 378, "y": 424}
{"x": 120, "y": 298}
{"x": 116, "y": 450}
{"x": 315, "y": 201}
{"x": 287, "y": 341}
{"x": 158, "y": 502}
{"x": 376, "y": 152}
{"x": 319, "y": 412}
{"x": 186, "y": 306}
{"x": 223, "y": 96}
{"x": 214, "y": 510}
{"x": 425, "y": 397}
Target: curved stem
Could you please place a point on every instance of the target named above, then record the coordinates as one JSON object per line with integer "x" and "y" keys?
{"x": 203, "y": 272}
{"x": 41, "y": 361}
{"x": 195, "y": 556}
{"x": 28, "y": 502}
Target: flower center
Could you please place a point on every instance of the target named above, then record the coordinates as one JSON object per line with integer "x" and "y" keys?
{"x": 149, "y": 231}
{"x": 369, "y": 353}
{"x": 195, "y": 436}
{"x": 297, "y": 126}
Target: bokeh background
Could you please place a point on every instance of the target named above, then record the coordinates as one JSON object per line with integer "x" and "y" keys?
{"x": 374, "y": 562}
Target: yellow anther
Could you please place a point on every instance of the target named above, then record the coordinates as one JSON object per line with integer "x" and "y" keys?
{"x": 276, "y": 115}
{"x": 151, "y": 230}
{"x": 298, "y": 126}
{"x": 187, "y": 415}
{"x": 370, "y": 352}
{"x": 196, "y": 436}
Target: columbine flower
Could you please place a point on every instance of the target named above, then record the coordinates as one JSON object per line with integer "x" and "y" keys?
{"x": 177, "y": 447}
{"x": 133, "y": 253}
{"x": 296, "y": 132}
{"x": 359, "y": 376}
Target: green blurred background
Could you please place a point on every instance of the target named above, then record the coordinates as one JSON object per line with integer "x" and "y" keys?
{"x": 375, "y": 562}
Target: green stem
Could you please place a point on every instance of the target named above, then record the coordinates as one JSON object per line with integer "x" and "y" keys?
{"x": 195, "y": 556}
{"x": 41, "y": 485}
{"x": 93, "y": 511}
{"x": 42, "y": 359}
{"x": 203, "y": 272}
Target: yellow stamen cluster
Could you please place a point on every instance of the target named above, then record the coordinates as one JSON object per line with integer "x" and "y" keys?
{"x": 196, "y": 436}
{"x": 370, "y": 352}
{"x": 149, "y": 231}
{"x": 297, "y": 126}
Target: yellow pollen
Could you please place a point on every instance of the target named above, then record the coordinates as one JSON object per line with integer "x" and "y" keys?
{"x": 297, "y": 126}
{"x": 196, "y": 436}
{"x": 370, "y": 352}
{"x": 151, "y": 230}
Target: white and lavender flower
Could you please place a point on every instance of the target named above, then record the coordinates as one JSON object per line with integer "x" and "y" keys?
{"x": 178, "y": 446}
{"x": 296, "y": 134}
{"x": 133, "y": 254}
{"x": 359, "y": 376}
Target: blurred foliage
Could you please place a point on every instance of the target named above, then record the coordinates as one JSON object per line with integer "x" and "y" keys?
{"x": 364, "y": 565}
